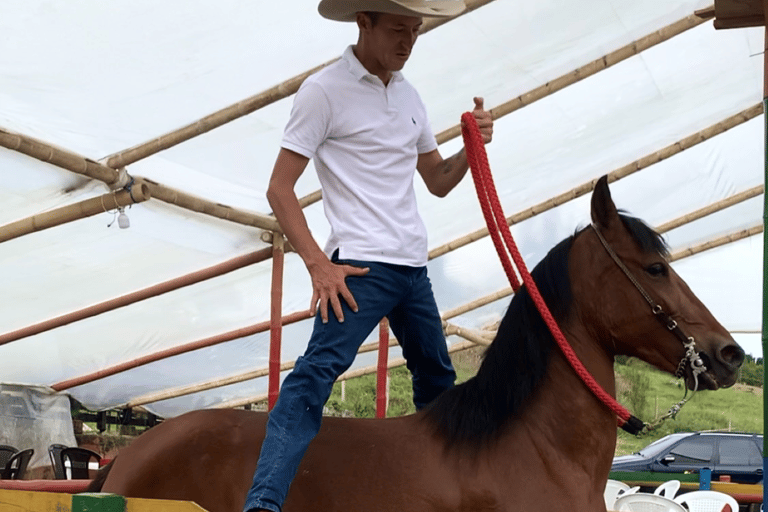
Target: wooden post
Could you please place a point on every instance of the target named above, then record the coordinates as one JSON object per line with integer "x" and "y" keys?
{"x": 276, "y": 313}
{"x": 381, "y": 371}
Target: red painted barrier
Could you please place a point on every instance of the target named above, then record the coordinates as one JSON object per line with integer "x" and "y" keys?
{"x": 65, "y": 486}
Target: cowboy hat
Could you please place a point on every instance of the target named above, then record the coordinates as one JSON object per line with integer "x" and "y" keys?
{"x": 345, "y": 10}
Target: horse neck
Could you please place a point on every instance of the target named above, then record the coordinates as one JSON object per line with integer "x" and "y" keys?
{"x": 564, "y": 418}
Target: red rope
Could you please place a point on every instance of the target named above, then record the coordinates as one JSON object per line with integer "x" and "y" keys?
{"x": 496, "y": 221}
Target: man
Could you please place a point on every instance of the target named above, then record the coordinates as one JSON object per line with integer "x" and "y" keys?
{"x": 367, "y": 130}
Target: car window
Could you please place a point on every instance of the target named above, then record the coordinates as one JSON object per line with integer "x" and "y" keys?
{"x": 760, "y": 444}
{"x": 693, "y": 451}
{"x": 660, "y": 445}
{"x": 739, "y": 452}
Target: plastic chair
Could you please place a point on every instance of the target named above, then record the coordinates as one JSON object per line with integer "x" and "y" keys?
{"x": 78, "y": 462}
{"x": 17, "y": 465}
{"x": 54, "y": 452}
{"x": 668, "y": 489}
{"x": 707, "y": 501}
{"x": 6, "y": 452}
{"x": 614, "y": 489}
{"x": 646, "y": 502}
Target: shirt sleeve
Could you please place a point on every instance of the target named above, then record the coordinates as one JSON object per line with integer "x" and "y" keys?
{"x": 427, "y": 141}
{"x": 309, "y": 123}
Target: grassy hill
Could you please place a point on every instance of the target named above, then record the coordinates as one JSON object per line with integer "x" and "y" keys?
{"x": 645, "y": 391}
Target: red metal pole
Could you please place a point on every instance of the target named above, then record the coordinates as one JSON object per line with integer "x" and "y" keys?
{"x": 276, "y": 313}
{"x": 381, "y": 370}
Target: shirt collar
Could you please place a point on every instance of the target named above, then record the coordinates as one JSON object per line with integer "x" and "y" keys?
{"x": 358, "y": 70}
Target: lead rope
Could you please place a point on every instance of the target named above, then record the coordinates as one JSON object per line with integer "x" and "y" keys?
{"x": 496, "y": 221}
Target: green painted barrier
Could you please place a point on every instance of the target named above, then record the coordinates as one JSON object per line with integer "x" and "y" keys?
{"x": 98, "y": 502}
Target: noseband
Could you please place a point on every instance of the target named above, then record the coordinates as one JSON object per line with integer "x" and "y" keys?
{"x": 691, "y": 356}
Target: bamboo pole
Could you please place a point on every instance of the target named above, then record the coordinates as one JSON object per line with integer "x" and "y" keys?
{"x": 587, "y": 70}
{"x": 710, "y": 209}
{"x": 69, "y": 213}
{"x": 53, "y": 155}
{"x": 206, "y": 207}
{"x": 275, "y": 319}
{"x": 621, "y": 172}
{"x": 244, "y": 107}
{"x": 394, "y": 363}
{"x": 175, "y": 351}
{"x": 382, "y": 375}
{"x": 717, "y": 242}
{"x": 146, "y": 293}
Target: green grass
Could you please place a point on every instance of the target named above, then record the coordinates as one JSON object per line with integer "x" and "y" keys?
{"x": 738, "y": 409}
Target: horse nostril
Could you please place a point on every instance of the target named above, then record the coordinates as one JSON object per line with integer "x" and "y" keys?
{"x": 732, "y": 355}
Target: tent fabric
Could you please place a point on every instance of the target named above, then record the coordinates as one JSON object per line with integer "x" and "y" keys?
{"x": 34, "y": 417}
{"x": 96, "y": 79}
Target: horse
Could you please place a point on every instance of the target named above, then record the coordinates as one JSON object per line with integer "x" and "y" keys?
{"x": 524, "y": 433}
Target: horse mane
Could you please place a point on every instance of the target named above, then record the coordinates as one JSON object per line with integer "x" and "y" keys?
{"x": 475, "y": 412}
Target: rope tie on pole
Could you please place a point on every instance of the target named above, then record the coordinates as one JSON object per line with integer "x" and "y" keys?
{"x": 496, "y": 220}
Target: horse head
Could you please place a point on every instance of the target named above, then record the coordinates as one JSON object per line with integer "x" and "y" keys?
{"x": 641, "y": 307}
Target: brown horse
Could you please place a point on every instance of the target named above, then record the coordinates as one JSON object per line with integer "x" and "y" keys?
{"x": 524, "y": 434}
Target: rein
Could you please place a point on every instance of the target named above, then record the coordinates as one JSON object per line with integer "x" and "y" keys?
{"x": 496, "y": 222}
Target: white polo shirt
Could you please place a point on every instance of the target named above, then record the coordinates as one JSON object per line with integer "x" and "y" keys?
{"x": 365, "y": 139}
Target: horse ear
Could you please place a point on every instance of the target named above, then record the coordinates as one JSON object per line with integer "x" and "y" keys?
{"x": 604, "y": 212}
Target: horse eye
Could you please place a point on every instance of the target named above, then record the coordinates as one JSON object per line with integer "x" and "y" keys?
{"x": 657, "y": 269}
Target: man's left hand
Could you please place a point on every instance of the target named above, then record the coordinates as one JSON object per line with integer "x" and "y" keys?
{"x": 484, "y": 120}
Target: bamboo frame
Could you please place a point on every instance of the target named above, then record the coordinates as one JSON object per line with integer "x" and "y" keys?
{"x": 474, "y": 336}
{"x": 482, "y": 301}
{"x": 578, "y": 74}
{"x": 244, "y": 107}
{"x": 116, "y": 179}
{"x": 478, "y": 338}
{"x": 617, "y": 174}
{"x": 76, "y": 211}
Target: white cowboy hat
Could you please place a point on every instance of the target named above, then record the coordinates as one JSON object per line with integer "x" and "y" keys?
{"x": 345, "y": 10}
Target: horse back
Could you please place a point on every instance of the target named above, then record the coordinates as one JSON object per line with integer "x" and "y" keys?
{"x": 206, "y": 456}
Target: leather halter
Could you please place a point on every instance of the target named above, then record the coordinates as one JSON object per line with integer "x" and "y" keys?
{"x": 691, "y": 356}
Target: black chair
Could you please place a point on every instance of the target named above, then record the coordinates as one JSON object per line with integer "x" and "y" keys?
{"x": 78, "y": 461}
{"x": 17, "y": 465}
{"x": 54, "y": 452}
{"x": 6, "y": 452}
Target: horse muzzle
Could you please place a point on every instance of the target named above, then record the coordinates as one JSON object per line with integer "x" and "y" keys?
{"x": 722, "y": 359}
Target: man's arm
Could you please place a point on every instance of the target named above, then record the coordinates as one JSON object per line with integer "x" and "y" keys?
{"x": 442, "y": 175}
{"x": 327, "y": 278}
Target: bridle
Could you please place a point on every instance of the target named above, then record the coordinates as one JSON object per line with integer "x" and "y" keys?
{"x": 691, "y": 356}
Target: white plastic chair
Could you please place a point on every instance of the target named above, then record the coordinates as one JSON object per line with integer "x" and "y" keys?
{"x": 668, "y": 489}
{"x": 614, "y": 489}
{"x": 707, "y": 501}
{"x": 646, "y": 502}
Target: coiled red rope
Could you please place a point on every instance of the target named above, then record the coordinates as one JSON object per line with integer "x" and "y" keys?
{"x": 497, "y": 223}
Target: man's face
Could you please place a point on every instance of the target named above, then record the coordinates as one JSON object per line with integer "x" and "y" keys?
{"x": 392, "y": 38}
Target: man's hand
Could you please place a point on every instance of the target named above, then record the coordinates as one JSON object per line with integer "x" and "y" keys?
{"x": 328, "y": 283}
{"x": 484, "y": 120}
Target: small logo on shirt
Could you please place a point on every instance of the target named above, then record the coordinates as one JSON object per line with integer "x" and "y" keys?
{"x": 413, "y": 120}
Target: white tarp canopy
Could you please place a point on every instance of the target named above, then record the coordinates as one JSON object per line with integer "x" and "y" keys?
{"x": 95, "y": 78}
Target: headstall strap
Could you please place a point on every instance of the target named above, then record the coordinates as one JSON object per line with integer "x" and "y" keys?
{"x": 691, "y": 356}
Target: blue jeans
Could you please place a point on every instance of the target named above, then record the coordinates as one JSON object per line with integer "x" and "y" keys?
{"x": 401, "y": 293}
